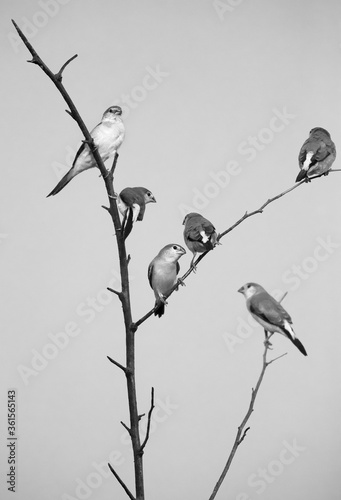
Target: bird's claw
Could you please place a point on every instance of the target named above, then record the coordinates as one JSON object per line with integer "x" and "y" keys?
{"x": 268, "y": 344}
{"x": 180, "y": 282}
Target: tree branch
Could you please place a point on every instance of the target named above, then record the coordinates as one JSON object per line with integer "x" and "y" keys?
{"x": 221, "y": 235}
{"x": 123, "y": 368}
{"x": 124, "y": 486}
{"x": 149, "y": 420}
{"x": 125, "y": 293}
{"x": 241, "y": 433}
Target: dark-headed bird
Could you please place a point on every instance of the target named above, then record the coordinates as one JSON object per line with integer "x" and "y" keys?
{"x": 162, "y": 274}
{"x": 132, "y": 203}
{"x": 108, "y": 136}
{"x": 199, "y": 234}
{"x": 269, "y": 313}
{"x": 316, "y": 155}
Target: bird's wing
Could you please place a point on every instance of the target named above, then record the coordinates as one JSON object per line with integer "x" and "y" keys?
{"x": 303, "y": 152}
{"x": 150, "y": 273}
{"x": 194, "y": 229}
{"x": 79, "y": 152}
{"x": 131, "y": 196}
{"x": 267, "y": 308}
{"x": 177, "y": 267}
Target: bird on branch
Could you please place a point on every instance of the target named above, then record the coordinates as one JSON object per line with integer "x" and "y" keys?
{"x": 132, "y": 203}
{"x": 108, "y": 136}
{"x": 317, "y": 154}
{"x": 269, "y": 313}
{"x": 162, "y": 274}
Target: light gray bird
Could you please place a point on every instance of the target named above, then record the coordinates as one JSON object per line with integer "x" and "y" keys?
{"x": 316, "y": 155}
{"x": 199, "y": 234}
{"x": 162, "y": 274}
{"x": 132, "y": 203}
{"x": 108, "y": 136}
{"x": 269, "y": 313}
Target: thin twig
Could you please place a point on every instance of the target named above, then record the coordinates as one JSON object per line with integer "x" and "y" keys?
{"x": 58, "y": 75}
{"x": 241, "y": 433}
{"x": 149, "y": 420}
{"x": 124, "y": 486}
{"x": 221, "y": 235}
{"x": 116, "y": 363}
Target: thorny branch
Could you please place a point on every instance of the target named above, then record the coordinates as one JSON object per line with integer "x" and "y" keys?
{"x": 124, "y": 295}
{"x": 241, "y": 433}
{"x": 221, "y": 235}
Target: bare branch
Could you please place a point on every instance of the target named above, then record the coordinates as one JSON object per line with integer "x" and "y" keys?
{"x": 58, "y": 75}
{"x": 126, "y": 427}
{"x": 221, "y": 235}
{"x": 119, "y": 294}
{"x": 125, "y": 294}
{"x": 241, "y": 433}
{"x": 117, "y": 364}
{"x": 149, "y": 420}
{"x": 124, "y": 486}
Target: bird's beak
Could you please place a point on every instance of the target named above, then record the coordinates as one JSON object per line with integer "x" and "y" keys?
{"x": 183, "y": 251}
{"x": 153, "y": 200}
{"x": 241, "y": 290}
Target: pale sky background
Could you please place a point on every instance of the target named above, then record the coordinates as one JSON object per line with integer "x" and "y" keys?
{"x": 223, "y": 78}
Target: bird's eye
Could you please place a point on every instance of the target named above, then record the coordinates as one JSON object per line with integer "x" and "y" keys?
{"x": 149, "y": 194}
{"x": 175, "y": 247}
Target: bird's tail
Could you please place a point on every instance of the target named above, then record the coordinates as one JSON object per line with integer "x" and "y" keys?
{"x": 302, "y": 175}
{"x": 299, "y": 345}
{"x": 63, "y": 181}
{"x": 127, "y": 223}
{"x": 159, "y": 308}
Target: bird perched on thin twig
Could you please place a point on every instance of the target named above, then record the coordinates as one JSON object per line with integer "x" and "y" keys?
{"x": 316, "y": 155}
{"x": 269, "y": 313}
{"x": 162, "y": 274}
{"x": 199, "y": 234}
{"x": 132, "y": 203}
{"x": 108, "y": 136}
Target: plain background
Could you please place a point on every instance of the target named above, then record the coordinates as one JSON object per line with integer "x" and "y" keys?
{"x": 224, "y": 70}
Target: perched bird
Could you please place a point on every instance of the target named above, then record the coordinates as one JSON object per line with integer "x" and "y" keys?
{"x": 132, "y": 203}
{"x": 269, "y": 313}
{"x": 162, "y": 274}
{"x": 316, "y": 155}
{"x": 108, "y": 136}
{"x": 199, "y": 234}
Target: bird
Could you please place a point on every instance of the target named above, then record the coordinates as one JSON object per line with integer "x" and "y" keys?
{"x": 162, "y": 274}
{"x": 132, "y": 203}
{"x": 317, "y": 154}
{"x": 269, "y": 313}
{"x": 199, "y": 234}
{"x": 108, "y": 136}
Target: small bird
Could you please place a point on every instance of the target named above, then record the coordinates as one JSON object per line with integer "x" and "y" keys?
{"x": 199, "y": 234}
{"x": 132, "y": 203}
{"x": 108, "y": 136}
{"x": 269, "y": 313}
{"x": 162, "y": 274}
{"x": 316, "y": 155}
